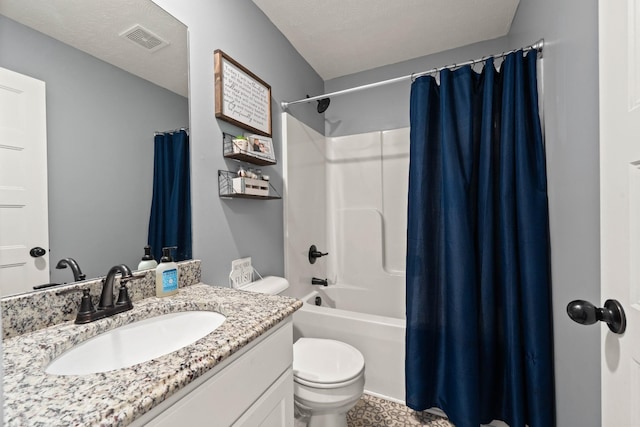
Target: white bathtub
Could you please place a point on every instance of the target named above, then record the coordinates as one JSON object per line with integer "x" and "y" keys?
{"x": 381, "y": 339}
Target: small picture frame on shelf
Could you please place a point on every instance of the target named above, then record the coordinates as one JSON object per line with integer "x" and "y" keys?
{"x": 261, "y": 146}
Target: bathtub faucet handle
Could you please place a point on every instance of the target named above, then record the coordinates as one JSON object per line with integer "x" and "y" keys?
{"x": 316, "y": 281}
{"x": 314, "y": 254}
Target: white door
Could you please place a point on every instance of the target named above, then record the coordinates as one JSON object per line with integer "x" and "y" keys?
{"x": 23, "y": 184}
{"x": 619, "y": 52}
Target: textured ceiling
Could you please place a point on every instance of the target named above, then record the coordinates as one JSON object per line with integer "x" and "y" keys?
{"x": 94, "y": 26}
{"x": 336, "y": 37}
{"x": 340, "y": 37}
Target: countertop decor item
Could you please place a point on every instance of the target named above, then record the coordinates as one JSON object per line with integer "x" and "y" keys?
{"x": 166, "y": 274}
{"x": 147, "y": 262}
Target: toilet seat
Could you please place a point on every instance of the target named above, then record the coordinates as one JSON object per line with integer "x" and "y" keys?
{"x": 326, "y": 363}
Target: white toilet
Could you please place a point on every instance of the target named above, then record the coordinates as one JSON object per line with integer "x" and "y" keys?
{"x": 328, "y": 375}
{"x": 328, "y": 380}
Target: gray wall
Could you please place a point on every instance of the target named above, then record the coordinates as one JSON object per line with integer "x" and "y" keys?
{"x": 569, "y": 28}
{"x": 100, "y": 124}
{"x": 228, "y": 229}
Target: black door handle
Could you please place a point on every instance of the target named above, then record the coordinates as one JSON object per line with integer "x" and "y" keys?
{"x": 612, "y": 314}
{"x": 37, "y": 252}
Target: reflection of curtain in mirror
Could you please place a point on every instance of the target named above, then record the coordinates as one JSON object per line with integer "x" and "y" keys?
{"x": 170, "y": 221}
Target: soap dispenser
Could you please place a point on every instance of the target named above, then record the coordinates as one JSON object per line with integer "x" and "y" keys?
{"x": 166, "y": 274}
{"x": 147, "y": 261}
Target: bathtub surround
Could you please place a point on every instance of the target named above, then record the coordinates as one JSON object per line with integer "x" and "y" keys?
{"x": 366, "y": 216}
{"x": 359, "y": 213}
{"x": 305, "y": 204}
{"x": 37, "y": 310}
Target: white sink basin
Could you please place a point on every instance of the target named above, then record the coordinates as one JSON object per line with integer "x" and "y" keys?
{"x": 136, "y": 343}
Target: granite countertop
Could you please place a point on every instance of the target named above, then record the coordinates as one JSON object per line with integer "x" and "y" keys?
{"x": 116, "y": 398}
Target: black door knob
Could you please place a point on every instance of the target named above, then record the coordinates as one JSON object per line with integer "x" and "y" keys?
{"x": 612, "y": 314}
{"x": 37, "y": 252}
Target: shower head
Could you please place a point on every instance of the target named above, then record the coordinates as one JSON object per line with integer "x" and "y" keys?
{"x": 323, "y": 104}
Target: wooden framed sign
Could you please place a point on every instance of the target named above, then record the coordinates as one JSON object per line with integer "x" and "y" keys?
{"x": 241, "y": 97}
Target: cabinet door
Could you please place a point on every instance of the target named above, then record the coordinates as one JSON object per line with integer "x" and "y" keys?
{"x": 228, "y": 395}
{"x": 274, "y": 408}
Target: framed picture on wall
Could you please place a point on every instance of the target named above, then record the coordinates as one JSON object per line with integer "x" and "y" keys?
{"x": 261, "y": 146}
{"x": 241, "y": 97}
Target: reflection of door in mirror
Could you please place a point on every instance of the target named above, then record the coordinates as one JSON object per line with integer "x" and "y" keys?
{"x": 23, "y": 183}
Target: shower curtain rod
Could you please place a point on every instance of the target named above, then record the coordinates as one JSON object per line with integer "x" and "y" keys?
{"x": 171, "y": 131}
{"x": 539, "y": 45}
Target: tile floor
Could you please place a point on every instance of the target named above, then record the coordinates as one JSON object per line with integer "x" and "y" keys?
{"x": 371, "y": 411}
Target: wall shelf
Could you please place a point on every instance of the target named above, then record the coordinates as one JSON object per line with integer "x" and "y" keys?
{"x": 231, "y": 186}
{"x": 233, "y": 151}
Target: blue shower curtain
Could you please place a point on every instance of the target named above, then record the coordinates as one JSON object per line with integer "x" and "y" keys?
{"x": 479, "y": 327}
{"x": 170, "y": 220}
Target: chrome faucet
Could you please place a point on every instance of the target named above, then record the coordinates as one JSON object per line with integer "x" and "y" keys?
{"x": 73, "y": 265}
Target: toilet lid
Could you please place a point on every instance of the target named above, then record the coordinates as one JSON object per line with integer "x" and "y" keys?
{"x": 326, "y": 361}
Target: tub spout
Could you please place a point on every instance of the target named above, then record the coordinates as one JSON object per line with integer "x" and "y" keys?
{"x": 316, "y": 281}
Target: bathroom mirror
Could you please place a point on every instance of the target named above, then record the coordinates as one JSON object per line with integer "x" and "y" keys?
{"x": 101, "y": 119}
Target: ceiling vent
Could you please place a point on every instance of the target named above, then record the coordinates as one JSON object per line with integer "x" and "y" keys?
{"x": 145, "y": 38}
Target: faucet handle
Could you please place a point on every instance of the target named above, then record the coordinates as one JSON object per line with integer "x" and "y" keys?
{"x": 123, "y": 295}
{"x": 86, "y": 305}
{"x": 123, "y": 292}
{"x": 314, "y": 254}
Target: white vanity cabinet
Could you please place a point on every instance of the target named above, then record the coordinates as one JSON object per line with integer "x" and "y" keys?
{"x": 253, "y": 387}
